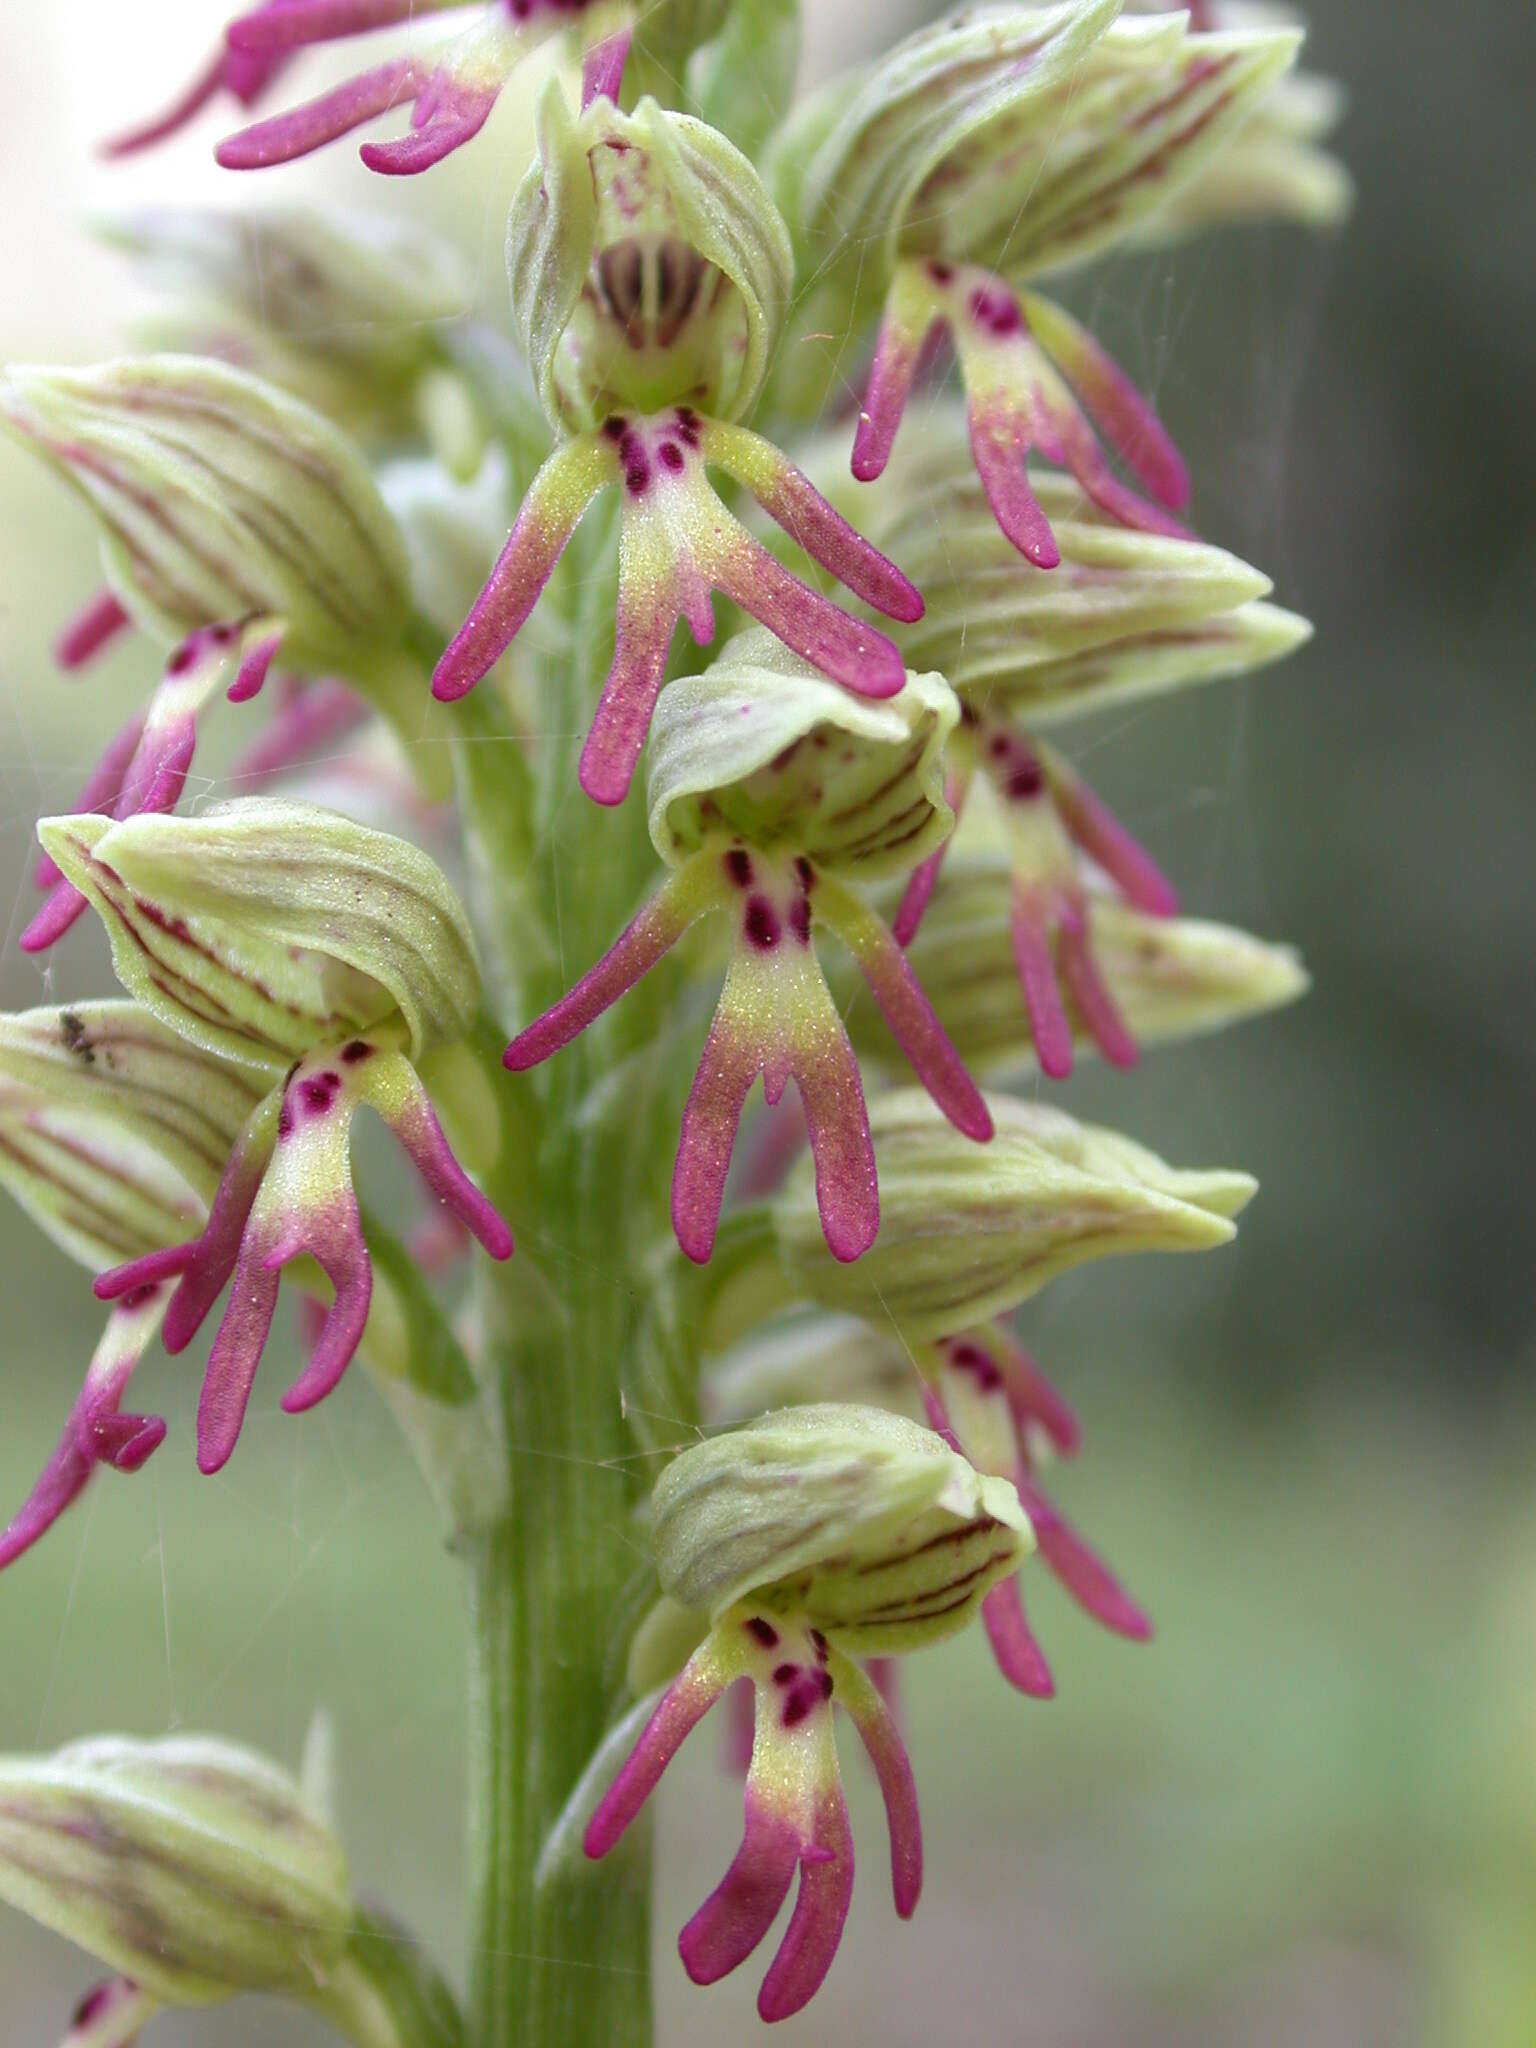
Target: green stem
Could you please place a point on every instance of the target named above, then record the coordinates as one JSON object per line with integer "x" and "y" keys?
{"x": 564, "y": 1963}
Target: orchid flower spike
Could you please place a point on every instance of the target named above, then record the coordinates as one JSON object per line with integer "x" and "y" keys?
{"x": 113, "y": 1133}
{"x": 805, "y": 1540}
{"x": 650, "y": 272}
{"x": 332, "y": 962}
{"x": 986, "y": 150}
{"x": 237, "y": 524}
{"x": 452, "y": 86}
{"x": 770, "y": 791}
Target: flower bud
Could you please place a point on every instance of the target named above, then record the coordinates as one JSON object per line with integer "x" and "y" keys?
{"x": 1036, "y": 138}
{"x": 1097, "y": 121}
{"x": 859, "y": 1521}
{"x": 190, "y": 1865}
{"x": 816, "y": 1357}
{"x": 221, "y": 499}
{"x": 1125, "y": 614}
{"x": 1168, "y": 977}
{"x": 762, "y": 748}
{"x": 452, "y": 528}
{"x": 261, "y": 928}
{"x": 648, "y": 265}
{"x": 858, "y": 154}
{"x": 113, "y": 1129}
{"x": 969, "y": 1231}
{"x": 1275, "y": 167}
{"x": 347, "y": 311}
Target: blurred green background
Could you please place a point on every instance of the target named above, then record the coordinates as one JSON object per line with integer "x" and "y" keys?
{"x": 1306, "y": 1814}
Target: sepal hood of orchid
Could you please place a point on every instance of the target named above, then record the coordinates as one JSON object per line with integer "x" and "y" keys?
{"x": 970, "y": 1231}
{"x": 222, "y": 501}
{"x": 193, "y": 1866}
{"x": 648, "y": 265}
{"x": 263, "y": 927}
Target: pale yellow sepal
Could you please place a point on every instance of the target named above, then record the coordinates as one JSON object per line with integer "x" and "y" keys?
{"x": 969, "y": 1231}
{"x": 262, "y": 928}
{"x": 764, "y": 748}
{"x": 191, "y": 1865}
{"x": 221, "y": 499}
{"x": 853, "y": 1519}
{"x": 114, "y": 1129}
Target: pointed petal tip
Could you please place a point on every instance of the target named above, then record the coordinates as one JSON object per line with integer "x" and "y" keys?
{"x": 450, "y": 682}
{"x": 974, "y": 1120}
{"x": 63, "y": 909}
{"x": 1055, "y": 1058}
{"x": 850, "y": 1239}
{"x": 606, "y": 782}
{"x": 213, "y": 1454}
{"x": 693, "y": 1241}
{"x": 145, "y": 1435}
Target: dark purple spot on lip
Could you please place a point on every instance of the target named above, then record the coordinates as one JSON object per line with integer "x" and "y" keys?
{"x": 972, "y": 1359}
{"x": 812, "y": 1690}
{"x": 284, "y": 1119}
{"x": 636, "y": 476}
{"x": 738, "y": 865}
{"x": 800, "y": 919}
{"x": 615, "y": 426}
{"x": 996, "y": 312}
{"x": 761, "y": 923}
{"x": 941, "y": 273}
{"x": 785, "y": 1674}
{"x": 804, "y": 870}
{"x": 1025, "y": 780}
{"x": 318, "y": 1094}
{"x": 356, "y": 1052}
{"x": 94, "y": 2005}
{"x": 672, "y": 456}
{"x": 820, "y": 1642}
{"x": 181, "y": 660}
{"x": 763, "y": 1632}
